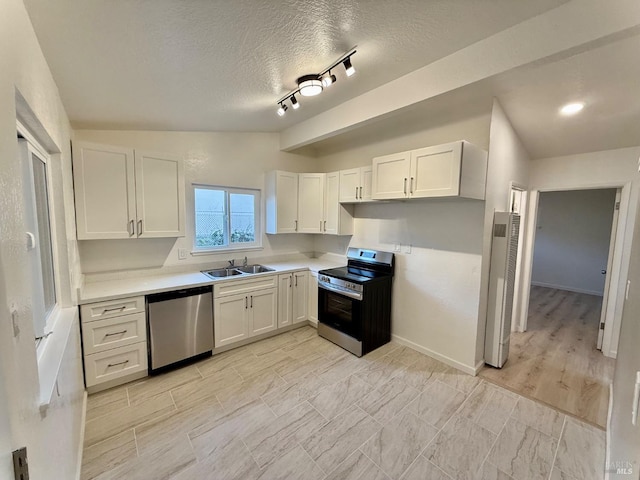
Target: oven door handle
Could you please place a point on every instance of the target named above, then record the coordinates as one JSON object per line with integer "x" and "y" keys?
{"x": 331, "y": 288}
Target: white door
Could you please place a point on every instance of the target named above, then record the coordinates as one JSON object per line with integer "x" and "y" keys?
{"x": 311, "y": 202}
{"x": 104, "y": 186}
{"x": 230, "y": 319}
{"x": 366, "y": 179}
{"x": 435, "y": 171}
{"x": 518, "y": 204}
{"x": 159, "y": 195}
{"x": 349, "y": 185}
{"x": 607, "y": 281}
{"x": 391, "y": 176}
{"x": 286, "y": 202}
{"x": 285, "y": 314}
{"x": 300, "y": 296}
{"x": 263, "y": 306}
{"x": 331, "y": 204}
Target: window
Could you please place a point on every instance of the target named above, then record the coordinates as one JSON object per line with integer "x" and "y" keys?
{"x": 226, "y": 218}
{"x": 40, "y": 248}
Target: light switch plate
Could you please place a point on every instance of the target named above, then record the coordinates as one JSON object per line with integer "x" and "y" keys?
{"x": 182, "y": 254}
{"x": 397, "y": 247}
{"x": 406, "y": 248}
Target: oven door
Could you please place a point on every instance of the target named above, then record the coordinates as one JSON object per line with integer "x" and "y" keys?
{"x": 340, "y": 310}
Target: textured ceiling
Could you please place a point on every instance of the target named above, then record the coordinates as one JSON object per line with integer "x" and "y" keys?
{"x": 221, "y": 65}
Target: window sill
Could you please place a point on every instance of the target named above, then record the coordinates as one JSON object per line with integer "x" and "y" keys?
{"x": 196, "y": 253}
{"x": 51, "y": 352}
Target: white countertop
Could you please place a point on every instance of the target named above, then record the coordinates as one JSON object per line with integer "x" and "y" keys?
{"x": 133, "y": 286}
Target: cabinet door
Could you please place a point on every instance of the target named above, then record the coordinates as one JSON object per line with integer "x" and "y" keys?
{"x": 159, "y": 195}
{"x": 104, "y": 186}
{"x": 230, "y": 319}
{"x": 366, "y": 179}
{"x": 435, "y": 171}
{"x": 350, "y": 185}
{"x": 282, "y": 202}
{"x": 300, "y": 296}
{"x": 313, "y": 297}
{"x": 391, "y": 176}
{"x": 311, "y": 202}
{"x": 285, "y": 314}
{"x": 331, "y": 204}
{"x": 263, "y": 316}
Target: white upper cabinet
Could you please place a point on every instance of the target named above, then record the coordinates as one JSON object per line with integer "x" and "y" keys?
{"x": 391, "y": 176}
{"x": 338, "y": 219}
{"x": 281, "y": 190}
{"x": 311, "y": 202}
{"x": 159, "y": 195}
{"x": 449, "y": 170}
{"x": 122, "y": 193}
{"x": 355, "y": 185}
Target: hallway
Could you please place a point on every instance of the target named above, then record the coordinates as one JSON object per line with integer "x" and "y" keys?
{"x": 556, "y": 361}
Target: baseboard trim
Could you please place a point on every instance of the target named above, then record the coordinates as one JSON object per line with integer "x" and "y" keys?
{"x": 83, "y": 422}
{"x": 471, "y": 370}
{"x": 567, "y": 289}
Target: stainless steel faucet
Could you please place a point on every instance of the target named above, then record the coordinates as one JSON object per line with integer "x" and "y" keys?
{"x": 232, "y": 262}
{"x": 244, "y": 262}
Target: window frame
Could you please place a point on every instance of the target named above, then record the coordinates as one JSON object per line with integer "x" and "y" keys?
{"x": 257, "y": 216}
{"x": 29, "y": 147}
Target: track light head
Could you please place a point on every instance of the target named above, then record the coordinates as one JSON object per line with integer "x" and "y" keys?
{"x": 282, "y": 110}
{"x": 350, "y": 70}
{"x": 294, "y": 102}
{"x": 328, "y": 80}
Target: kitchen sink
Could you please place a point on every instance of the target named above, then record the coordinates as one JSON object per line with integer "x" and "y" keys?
{"x": 254, "y": 269}
{"x": 222, "y": 272}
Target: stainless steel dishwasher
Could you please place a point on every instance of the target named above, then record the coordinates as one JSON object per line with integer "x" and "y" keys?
{"x": 180, "y": 326}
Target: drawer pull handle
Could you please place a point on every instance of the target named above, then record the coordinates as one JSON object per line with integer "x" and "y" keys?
{"x": 115, "y": 333}
{"x": 116, "y": 364}
{"x": 116, "y": 309}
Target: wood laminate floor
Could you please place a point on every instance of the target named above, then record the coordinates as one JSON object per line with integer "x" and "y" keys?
{"x": 556, "y": 360}
{"x": 297, "y": 407}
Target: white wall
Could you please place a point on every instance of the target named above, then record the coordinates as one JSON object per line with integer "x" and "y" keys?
{"x": 624, "y": 438}
{"x": 226, "y": 159}
{"x": 606, "y": 169}
{"x": 436, "y": 286}
{"x": 25, "y": 70}
{"x": 508, "y": 162}
{"x": 572, "y": 240}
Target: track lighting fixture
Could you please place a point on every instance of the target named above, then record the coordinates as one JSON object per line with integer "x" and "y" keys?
{"x": 313, "y": 84}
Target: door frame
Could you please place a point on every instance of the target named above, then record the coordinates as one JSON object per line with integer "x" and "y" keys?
{"x": 522, "y": 211}
{"x": 615, "y": 299}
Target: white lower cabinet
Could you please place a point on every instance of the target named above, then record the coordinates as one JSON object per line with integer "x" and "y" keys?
{"x": 293, "y": 298}
{"x": 114, "y": 338}
{"x": 238, "y": 316}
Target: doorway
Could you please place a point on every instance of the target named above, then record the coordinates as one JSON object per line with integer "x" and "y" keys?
{"x": 555, "y": 356}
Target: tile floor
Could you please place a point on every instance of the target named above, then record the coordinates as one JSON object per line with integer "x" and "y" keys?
{"x": 295, "y": 406}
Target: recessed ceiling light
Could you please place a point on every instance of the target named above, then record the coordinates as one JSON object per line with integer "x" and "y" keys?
{"x": 572, "y": 108}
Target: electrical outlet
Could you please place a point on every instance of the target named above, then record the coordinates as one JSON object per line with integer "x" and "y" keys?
{"x": 20, "y": 465}
{"x": 182, "y": 254}
{"x": 406, "y": 248}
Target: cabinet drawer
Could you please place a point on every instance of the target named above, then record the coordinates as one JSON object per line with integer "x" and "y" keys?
{"x": 243, "y": 286}
{"x": 111, "y": 308}
{"x": 115, "y": 332}
{"x": 115, "y": 363}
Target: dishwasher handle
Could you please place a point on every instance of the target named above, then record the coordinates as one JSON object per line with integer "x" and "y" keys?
{"x": 185, "y": 292}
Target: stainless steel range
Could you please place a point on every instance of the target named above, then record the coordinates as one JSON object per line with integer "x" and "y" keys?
{"x": 354, "y": 302}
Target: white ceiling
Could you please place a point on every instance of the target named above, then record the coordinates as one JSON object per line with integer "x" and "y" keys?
{"x": 222, "y": 65}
